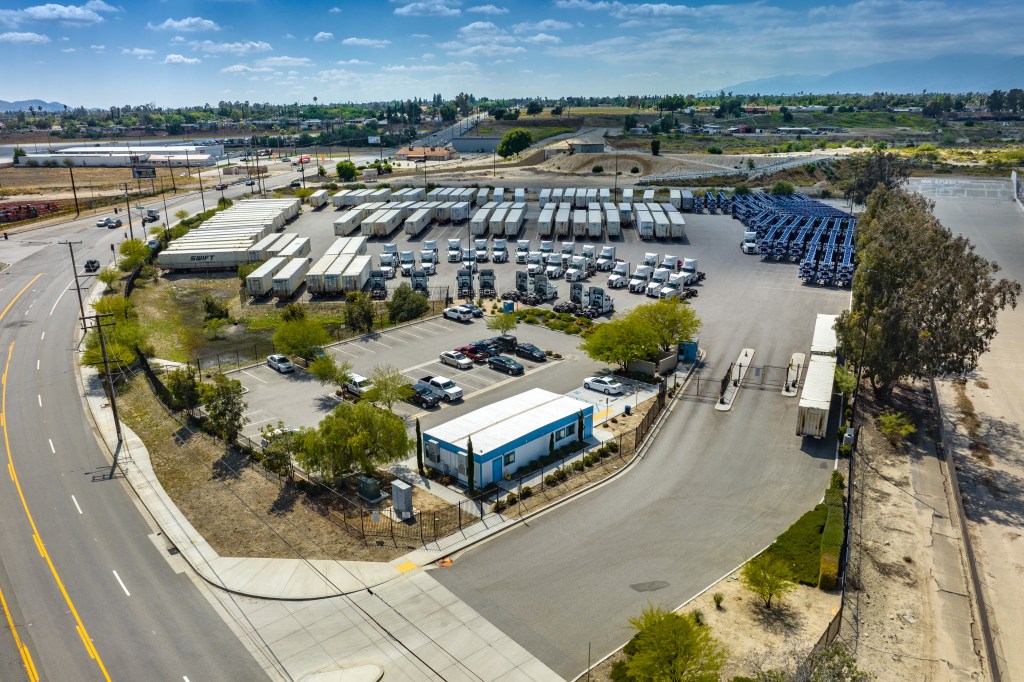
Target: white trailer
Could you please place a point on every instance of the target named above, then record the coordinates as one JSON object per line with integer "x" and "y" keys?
{"x": 591, "y": 196}
{"x": 383, "y": 194}
{"x": 595, "y": 225}
{"x": 386, "y": 223}
{"x": 556, "y": 196}
{"x": 332, "y": 277}
{"x": 824, "y": 341}
{"x": 366, "y": 227}
{"x": 579, "y": 223}
{"x": 478, "y": 223}
{"x": 563, "y": 220}
{"x": 660, "y": 225}
{"x": 686, "y": 200}
{"x": 415, "y": 223}
{"x": 498, "y": 194}
{"x": 546, "y": 221}
{"x": 298, "y": 248}
{"x": 203, "y": 259}
{"x": 348, "y": 222}
{"x": 356, "y": 274}
{"x": 318, "y": 198}
{"x": 514, "y": 221}
{"x": 627, "y": 196}
{"x": 288, "y": 280}
{"x": 611, "y": 220}
{"x": 316, "y": 272}
{"x": 261, "y": 280}
{"x": 461, "y": 211}
{"x": 816, "y": 397}
{"x": 648, "y": 196}
{"x": 675, "y": 197}
{"x": 519, "y": 194}
{"x": 496, "y": 223}
{"x": 604, "y": 195}
{"x": 545, "y": 197}
{"x": 360, "y": 196}
{"x": 282, "y": 241}
{"x": 336, "y": 247}
{"x": 482, "y": 196}
{"x": 258, "y": 251}
{"x": 569, "y": 196}
{"x": 338, "y": 198}
{"x": 415, "y": 194}
{"x": 443, "y": 212}
{"x": 644, "y": 223}
{"x": 676, "y": 226}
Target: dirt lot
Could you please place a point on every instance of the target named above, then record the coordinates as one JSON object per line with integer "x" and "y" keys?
{"x": 33, "y": 183}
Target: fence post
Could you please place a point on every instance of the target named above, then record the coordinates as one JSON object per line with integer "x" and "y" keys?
{"x": 362, "y": 527}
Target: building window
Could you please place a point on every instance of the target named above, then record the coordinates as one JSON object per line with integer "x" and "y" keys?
{"x": 510, "y": 457}
{"x": 566, "y": 432}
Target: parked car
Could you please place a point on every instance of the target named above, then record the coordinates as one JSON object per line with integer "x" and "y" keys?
{"x": 506, "y": 342}
{"x": 456, "y": 359}
{"x": 506, "y": 365}
{"x": 605, "y": 385}
{"x": 489, "y": 346}
{"x": 459, "y": 313}
{"x": 250, "y": 183}
{"x": 280, "y": 363}
{"x": 358, "y": 385}
{"x": 474, "y": 353}
{"x": 423, "y": 396}
{"x": 286, "y": 160}
{"x": 221, "y": 186}
{"x": 531, "y": 352}
{"x": 477, "y": 312}
{"x": 295, "y": 183}
{"x": 444, "y": 386}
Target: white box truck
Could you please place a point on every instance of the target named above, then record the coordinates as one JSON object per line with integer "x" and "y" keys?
{"x": 816, "y": 397}
{"x": 288, "y": 280}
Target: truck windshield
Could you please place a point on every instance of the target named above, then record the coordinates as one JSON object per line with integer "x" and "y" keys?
{"x": 446, "y": 384}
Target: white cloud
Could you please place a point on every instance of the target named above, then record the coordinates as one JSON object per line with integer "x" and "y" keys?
{"x": 421, "y": 35}
{"x": 285, "y": 61}
{"x": 239, "y": 48}
{"x": 244, "y": 68}
{"x": 24, "y": 38}
{"x": 427, "y": 55}
{"x": 352, "y": 62}
{"x": 366, "y": 42}
{"x": 180, "y": 59}
{"x": 67, "y": 15}
{"x": 334, "y": 10}
{"x": 584, "y": 4}
{"x": 488, "y": 9}
{"x": 428, "y": 8}
{"x": 545, "y": 25}
{"x": 486, "y": 51}
{"x": 97, "y": 48}
{"x": 542, "y": 38}
{"x": 140, "y": 52}
{"x": 478, "y": 32}
{"x": 322, "y": 37}
{"x": 68, "y": 50}
{"x": 186, "y": 25}
{"x": 288, "y": 36}
{"x": 431, "y": 68}
{"x": 336, "y": 76}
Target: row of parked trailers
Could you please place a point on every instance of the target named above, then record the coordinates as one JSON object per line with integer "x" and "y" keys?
{"x": 344, "y": 267}
{"x": 800, "y": 229}
{"x": 379, "y": 219}
{"x": 816, "y": 395}
{"x": 244, "y": 233}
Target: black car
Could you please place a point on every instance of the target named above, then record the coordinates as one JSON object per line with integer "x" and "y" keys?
{"x": 477, "y": 312}
{"x": 423, "y": 396}
{"x": 92, "y": 265}
{"x": 506, "y": 342}
{"x": 531, "y": 352}
{"x": 488, "y": 346}
{"x": 295, "y": 183}
{"x": 506, "y": 365}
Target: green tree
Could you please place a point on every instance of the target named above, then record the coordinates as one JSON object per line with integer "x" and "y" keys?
{"x": 670, "y": 647}
{"x": 742, "y": 188}
{"x": 787, "y": 115}
{"x": 768, "y": 578}
{"x": 183, "y": 387}
{"x": 293, "y": 312}
{"x": 109, "y": 276}
{"x": 389, "y": 386}
{"x": 406, "y": 304}
{"x": 671, "y": 321}
{"x": 470, "y": 466}
{"x": 225, "y": 409}
{"x": 181, "y": 214}
{"x": 321, "y": 171}
{"x": 281, "y": 447}
{"x": 18, "y": 153}
{"x": 556, "y": 111}
{"x": 996, "y": 101}
{"x": 629, "y": 122}
{"x": 781, "y": 187}
{"x": 846, "y": 381}
{"x": 655, "y": 147}
{"x": 895, "y": 426}
{"x": 346, "y": 170}
{"x": 300, "y": 337}
{"x": 877, "y": 168}
{"x": 330, "y": 372}
{"x": 359, "y": 313}
{"x": 503, "y": 323}
{"x": 134, "y": 254}
{"x": 924, "y": 303}
{"x": 534, "y": 108}
{"x": 514, "y": 141}
{"x": 419, "y": 448}
{"x": 620, "y": 342}
{"x": 357, "y": 436}
{"x": 123, "y": 336}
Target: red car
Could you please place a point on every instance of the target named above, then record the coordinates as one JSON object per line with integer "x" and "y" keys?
{"x": 475, "y": 354}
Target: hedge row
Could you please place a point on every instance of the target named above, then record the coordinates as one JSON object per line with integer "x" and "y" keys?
{"x": 832, "y": 538}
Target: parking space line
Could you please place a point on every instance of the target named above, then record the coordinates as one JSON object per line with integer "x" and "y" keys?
{"x": 247, "y": 373}
{"x": 407, "y": 333}
{"x": 351, "y": 355}
{"x": 376, "y": 342}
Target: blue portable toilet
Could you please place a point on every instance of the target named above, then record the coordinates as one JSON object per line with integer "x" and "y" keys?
{"x": 687, "y": 351}
{"x": 508, "y": 307}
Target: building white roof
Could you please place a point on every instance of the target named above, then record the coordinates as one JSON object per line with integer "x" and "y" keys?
{"x": 506, "y": 420}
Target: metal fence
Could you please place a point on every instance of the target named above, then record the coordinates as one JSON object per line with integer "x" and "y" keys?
{"x": 705, "y": 386}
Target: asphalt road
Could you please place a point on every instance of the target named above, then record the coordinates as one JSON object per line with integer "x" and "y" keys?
{"x": 714, "y": 489}
{"x": 106, "y": 578}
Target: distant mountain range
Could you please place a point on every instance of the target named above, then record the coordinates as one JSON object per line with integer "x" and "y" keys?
{"x": 946, "y": 73}
{"x": 37, "y": 104}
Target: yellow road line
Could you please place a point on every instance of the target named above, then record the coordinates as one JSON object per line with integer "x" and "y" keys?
{"x": 90, "y": 649}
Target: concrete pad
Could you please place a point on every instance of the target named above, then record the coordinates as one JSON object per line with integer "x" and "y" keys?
{"x": 488, "y": 663}
{"x": 362, "y": 673}
{"x": 280, "y": 629}
{"x": 797, "y": 364}
{"x": 537, "y": 671}
{"x": 300, "y": 663}
{"x": 347, "y": 646}
{"x": 461, "y": 642}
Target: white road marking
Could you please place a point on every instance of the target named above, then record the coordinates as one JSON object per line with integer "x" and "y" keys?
{"x": 52, "y": 449}
{"x": 121, "y": 583}
{"x": 379, "y": 343}
{"x": 254, "y": 377}
{"x": 76, "y": 504}
{"x": 43, "y": 336}
{"x": 351, "y": 355}
{"x": 40, "y": 398}
{"x": 37, "y": 365}
{"x": 185, "y": 677}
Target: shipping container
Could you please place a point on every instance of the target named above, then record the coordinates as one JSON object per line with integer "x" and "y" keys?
{"x": 519, "y": 194}
{"x": 514, "y": 221}
{"x": 288, "y": 280}
{"x": 220, "y": 259}
{"x": 824, "y": 341}
{"x": 461, "y": 211}
{"x": 382, "y": 194}
{"x": 611, "y": 219}
{"x": 316, "y": 272}
{"x": 298, "y": 248}
{"x": 556, "y": 196}
{"x": 258, "y": 251}
{"x": 661, "y": 225}
{"x": 348, "y": 222}
{"x": 816, "y": 397}
{"x": 416, "y": 223}
{"x": 648, "y": 196}
{"x": 677, "y": 225}
{"x": 546, "y": 221}
{"x": 478, "y": 223}
{"x": 356, "y": 274}
{"x": 675, "y": 197}
{"x": 318, "y": 198}
{"x": 338, "y": 198}
{"x": 686, "y": 200}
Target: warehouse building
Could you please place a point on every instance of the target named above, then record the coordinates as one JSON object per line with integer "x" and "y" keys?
{"x": 118, "y": 156}
{"x": 506, "y": 435}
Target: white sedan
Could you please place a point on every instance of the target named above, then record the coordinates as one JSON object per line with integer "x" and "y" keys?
{"x": 604, "y": 385}
{"x": 459, "y": 313}
{"x": 456, "y": 359}
{"x": 280, "y": 363}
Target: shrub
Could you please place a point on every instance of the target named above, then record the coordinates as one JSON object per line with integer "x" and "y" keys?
{"x": 551, "y": 480}
{"x": 783, "y": 188}
{"x": 499, "y": 506}
{"x": 526, "y": 492}
{"x": 837, "y": 482}
{"x": 511, "y": 499}
{"x": 577, "y": 466}
{"x": 598, "y": 169}
{"x": 742, "y": 188}
{"x": 895, "y": 426}
{"x": 714, "y": 150}
{"x": 718, "y": 598}
{"x": 698, "y": 616}
{"x": 845, "y": 450}
{"x": 613, "y": 446}
{"x": 634, "y": 169}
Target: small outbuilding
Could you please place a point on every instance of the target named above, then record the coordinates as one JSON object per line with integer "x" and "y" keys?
{"x": 586, "y": 146}
{"x": 506, "y": 435}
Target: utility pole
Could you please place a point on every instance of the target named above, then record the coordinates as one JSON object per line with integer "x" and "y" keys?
{"x": 78, "y": 289}
{"x": 74, "y": 191}
{"x": 106, "y": 370}
{"x": 167, "y": 220}
{"x": 128, "y": 209}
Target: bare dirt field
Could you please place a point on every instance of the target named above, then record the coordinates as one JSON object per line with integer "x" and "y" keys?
{"x": 34, "y": 183}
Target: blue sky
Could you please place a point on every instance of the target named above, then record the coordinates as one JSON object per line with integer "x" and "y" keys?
{"x": 174, "y": 53}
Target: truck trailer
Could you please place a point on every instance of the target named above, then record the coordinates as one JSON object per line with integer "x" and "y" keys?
{"x": 260, "y": 281}
{"x": 288, "y": 280}
{"x": 816, "y": 397}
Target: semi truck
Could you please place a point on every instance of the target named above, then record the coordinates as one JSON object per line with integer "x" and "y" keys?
{"x": 619, "y": 276}
{"x": 641, "y": 276}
